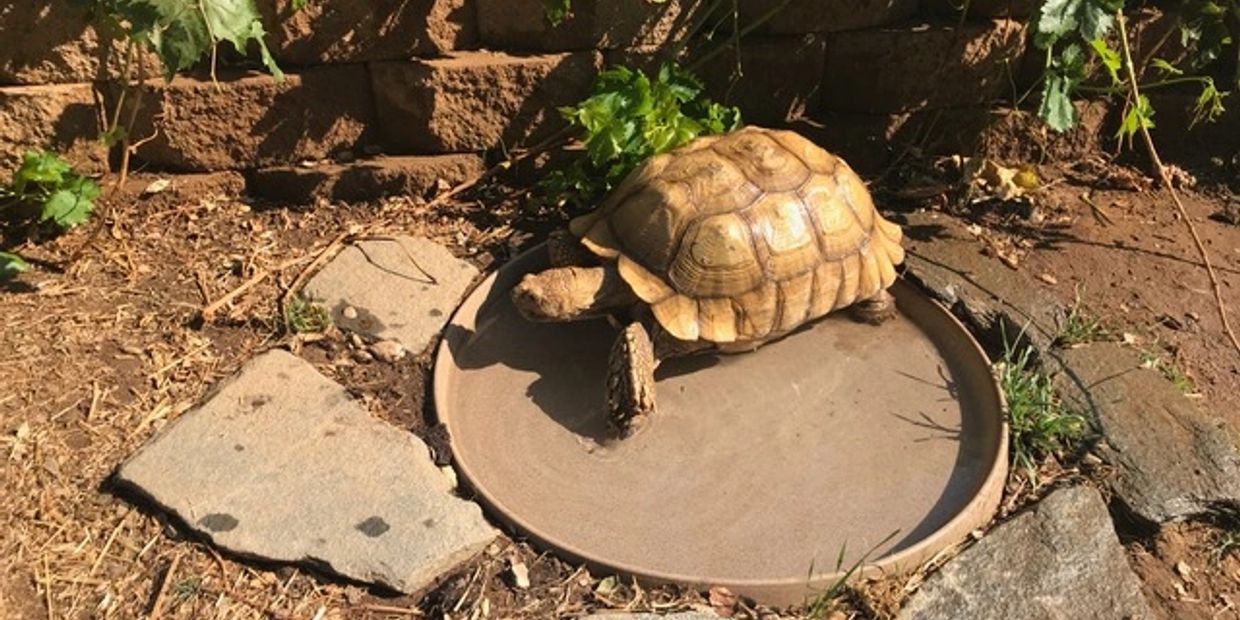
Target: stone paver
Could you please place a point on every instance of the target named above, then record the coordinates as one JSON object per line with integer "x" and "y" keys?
{"x": 412, "y": 175}
{"x": 1059, "y": 560}
{"x": 1174, "y": 461}
{"x": 375, "y": 289}
{"x": 281, "y": 464}
{"x": 989, "y": 297}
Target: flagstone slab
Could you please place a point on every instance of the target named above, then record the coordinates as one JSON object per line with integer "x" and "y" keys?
{"x": 280, "y": 463}
{"x": 398, "y": 288}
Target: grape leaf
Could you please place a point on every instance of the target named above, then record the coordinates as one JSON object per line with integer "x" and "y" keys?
{"x": 1138, "y": 116}
{"x": 11, "y": 265}
{"x": 39, "y": 168}
{"x": 557, "y": 10}
{"x": 1056, "y": 107}
{"x": 1109, "y": 57}
{"x": 71, "y": 204}
{"x": 182, "y": 32}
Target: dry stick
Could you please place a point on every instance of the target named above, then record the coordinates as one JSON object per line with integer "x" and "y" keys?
{"x": 158, "y": 606}
{"x": 1166, "y": 181}
{"x": 208, "y": 311}
{"x": 319, "y": 259}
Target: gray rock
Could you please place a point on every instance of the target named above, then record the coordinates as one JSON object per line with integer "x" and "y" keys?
{"x": 279, "y": 463}
{"x": 403, "y": 288}
{"x": 1173, "y": 459}
{"x": 1059, "y": 560}
{"x": 991, "y": 298}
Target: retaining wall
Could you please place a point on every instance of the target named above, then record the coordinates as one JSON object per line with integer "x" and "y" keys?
{"x": 429, "y": 78}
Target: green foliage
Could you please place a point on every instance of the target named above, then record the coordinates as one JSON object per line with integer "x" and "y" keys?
{"x": 47, "y": 189}
{"x": 557, "y": 10}
{"x": 182, "y": 32}
{"x": 1073, "y": 35}
{"x": 64, "y": 197}
{"x": 825, "y": 601}
{"x": 1169, "y": 370}
{"x": 1039, "y": 424}
{"x": 11, "y": 265}
{"x": 1080, "y": 326}
{"x": 305, "y": 316}
{"x": 629, "y": 117}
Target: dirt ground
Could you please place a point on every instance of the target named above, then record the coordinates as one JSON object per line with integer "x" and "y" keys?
{"x": 101, "y": 352}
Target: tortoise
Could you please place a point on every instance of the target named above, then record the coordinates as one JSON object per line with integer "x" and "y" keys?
{"x": 722, "y": 245}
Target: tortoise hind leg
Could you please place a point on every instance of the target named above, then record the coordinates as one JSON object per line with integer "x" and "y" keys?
{"x": 630, "y": 380}
{"x": 876, "y": 310}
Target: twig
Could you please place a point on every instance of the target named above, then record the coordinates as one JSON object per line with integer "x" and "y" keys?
{"x": 208, "y": 311}
{"x": 108, "y": 543}
{"x": 158, "y": 605}
{"x": 1166, "y": 181}
{"x": 319, "y": 259}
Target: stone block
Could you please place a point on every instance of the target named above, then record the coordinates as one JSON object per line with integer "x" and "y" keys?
{"x": 252, "y": 120}
{"x": 1060, "y": 559}
{"x": 280, "y": 463}
{"x": 362, "y": 30}
{"x": 802, "y": 16}
{"x": 49, "y": 43}
{"x": 410, "y": 175}
{"x": 983, "y": 9}
{"x": 472, "y": 101}
{"x": 1173, "y": 461}
{"x": 593, "y": 24}
{"x": 921, "y": 67}
{"x": 774, "y": 80}
{"x": 61, "y": 117}
{"x": 402, "y": 289}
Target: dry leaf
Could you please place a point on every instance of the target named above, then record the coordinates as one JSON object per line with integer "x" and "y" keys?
{"x": 156, "y": 186}
{"x": 722, "y": 601}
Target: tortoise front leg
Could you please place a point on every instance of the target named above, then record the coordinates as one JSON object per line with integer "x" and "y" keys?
{"x": 565, "y": 250}
{"x": 630, "y": 380}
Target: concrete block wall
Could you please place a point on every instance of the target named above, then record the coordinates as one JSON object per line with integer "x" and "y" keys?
{"x": 429, "y": 78}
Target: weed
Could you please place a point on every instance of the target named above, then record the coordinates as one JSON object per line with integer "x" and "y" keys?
{"x": 824, "y": 601}
{"x": 1169, "y": 370}
{"x": 186, "y": 589}
{"x": 304, "y": 316}
{"x": 1040, "y": 425}
{"x": 1081, "y": 326}
{"x": 46, "y": 189}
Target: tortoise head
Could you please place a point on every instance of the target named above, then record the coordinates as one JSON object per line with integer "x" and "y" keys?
{"x": 570, "y": 293}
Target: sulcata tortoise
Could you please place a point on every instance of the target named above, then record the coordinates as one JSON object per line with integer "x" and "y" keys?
{"x": 724, "y": 244}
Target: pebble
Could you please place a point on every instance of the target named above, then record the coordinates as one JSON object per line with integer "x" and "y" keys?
{"x": 349, "y": 312}
{"x": 363, "y": 356}
{"x": 388, "y": 351}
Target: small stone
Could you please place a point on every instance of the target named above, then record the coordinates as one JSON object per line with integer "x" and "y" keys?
{"x": 1183, "y": 569}
{"x": 387, "y": 351}
{"x": 1048, "y": 278}
{"x": 363, "y": 356}
{"x": 349, "y": 312}
{"x": 520, "y": 574}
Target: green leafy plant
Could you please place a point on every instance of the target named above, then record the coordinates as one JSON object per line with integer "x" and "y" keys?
{"x": 1073, "y": 35}
{"x": 46, "y": 189}
{"x": 1040, "y": 426}
{"x": 305, "y": 316}
{"x": 629, "y": 117}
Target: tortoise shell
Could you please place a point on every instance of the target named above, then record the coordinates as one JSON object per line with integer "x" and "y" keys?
{"x": 744, "y": 236}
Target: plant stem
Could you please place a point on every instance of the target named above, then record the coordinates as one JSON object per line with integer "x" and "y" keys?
{"x": 1135, "y": 91}
{"x": 1113, "y": 90}
{"x": 766, "y": 17}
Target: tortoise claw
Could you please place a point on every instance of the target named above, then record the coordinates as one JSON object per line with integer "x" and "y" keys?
{"x": 630, "y": 381}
